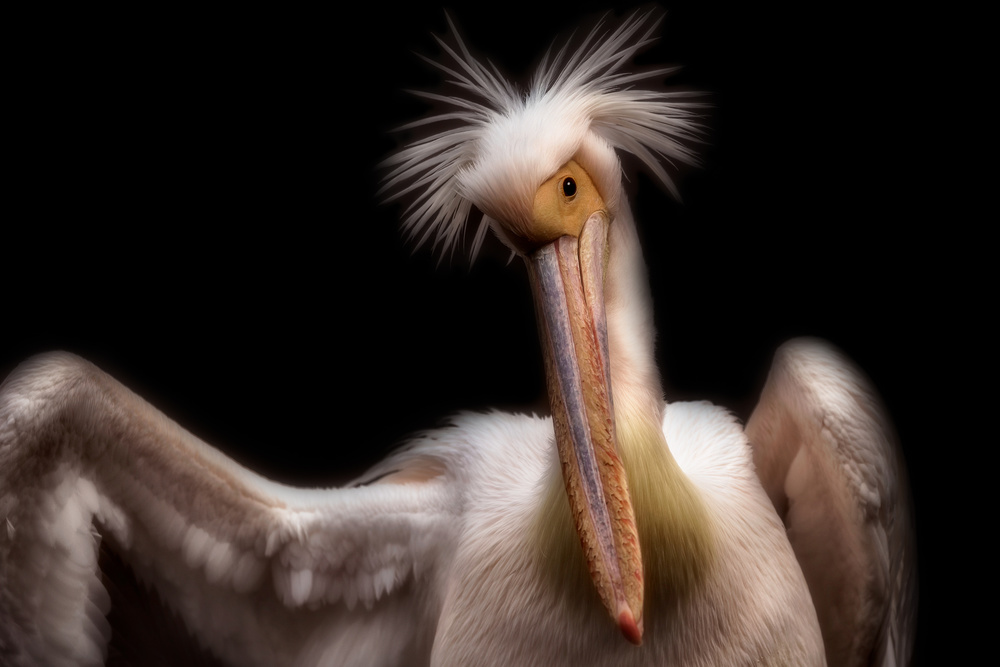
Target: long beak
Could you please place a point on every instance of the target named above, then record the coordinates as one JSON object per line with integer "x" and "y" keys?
{"x": 567, "y": 277}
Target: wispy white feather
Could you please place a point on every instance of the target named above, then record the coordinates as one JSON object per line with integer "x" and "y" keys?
{"x": 489, "y": 154}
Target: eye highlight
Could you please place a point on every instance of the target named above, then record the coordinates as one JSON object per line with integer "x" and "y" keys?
{"x": 568, "y": 187}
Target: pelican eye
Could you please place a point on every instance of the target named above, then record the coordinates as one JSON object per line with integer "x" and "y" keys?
{"x": 569, "y": 187}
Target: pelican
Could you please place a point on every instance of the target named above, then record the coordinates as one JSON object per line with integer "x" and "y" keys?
{"x": 621, "y": 530}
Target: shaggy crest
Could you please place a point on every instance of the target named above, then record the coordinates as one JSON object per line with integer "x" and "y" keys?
{"x": 501, "y": 144}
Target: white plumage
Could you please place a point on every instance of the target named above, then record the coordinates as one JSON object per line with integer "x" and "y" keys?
{"x": 510, "y": 141}
{"x": 437, "y": 555}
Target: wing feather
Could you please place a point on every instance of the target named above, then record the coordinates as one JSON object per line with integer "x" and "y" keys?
{"x": 83, "y": 461}
{"x": 827, "y": 456}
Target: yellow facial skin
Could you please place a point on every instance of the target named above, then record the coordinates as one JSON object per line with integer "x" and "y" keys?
{"x": 562, "y": 204}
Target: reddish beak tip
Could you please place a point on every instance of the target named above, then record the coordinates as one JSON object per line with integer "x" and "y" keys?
{"x": 628, "y": 626}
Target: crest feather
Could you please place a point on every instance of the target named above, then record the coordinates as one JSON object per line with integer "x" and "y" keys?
{"x": 502, "y": 143}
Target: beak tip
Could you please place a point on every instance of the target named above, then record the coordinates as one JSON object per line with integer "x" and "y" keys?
{"x": 629, "y": 627}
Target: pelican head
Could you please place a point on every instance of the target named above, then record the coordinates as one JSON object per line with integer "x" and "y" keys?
{"x": 542, "y": 166}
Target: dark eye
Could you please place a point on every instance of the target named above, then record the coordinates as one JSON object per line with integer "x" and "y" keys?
{"x": 569, "y": 187}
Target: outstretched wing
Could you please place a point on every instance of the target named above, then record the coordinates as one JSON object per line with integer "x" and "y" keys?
{"x": 826, "y": 454}
{"x": 257, "y": 572}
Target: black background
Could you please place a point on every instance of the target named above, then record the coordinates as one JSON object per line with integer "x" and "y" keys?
{"x": 194, "y": 208}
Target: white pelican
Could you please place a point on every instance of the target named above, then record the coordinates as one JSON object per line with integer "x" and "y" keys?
{"x": 461, "y": 548}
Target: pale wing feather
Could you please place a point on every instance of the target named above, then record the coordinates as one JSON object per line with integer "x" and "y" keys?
{"x": 826, "y": 454}
{"x": 236, "y": 556}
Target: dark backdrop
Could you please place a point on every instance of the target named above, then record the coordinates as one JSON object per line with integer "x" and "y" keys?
{"x": 194, "y": 208}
